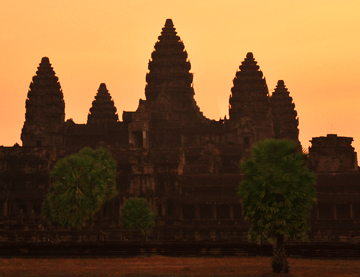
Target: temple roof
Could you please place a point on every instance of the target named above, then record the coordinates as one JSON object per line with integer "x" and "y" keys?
{"x": 249, "y": 74}
{"x": 249, "y": 93}
{"x": 168, "y": 30}
{"x": 103, "y": 109}
{"x": 169, "y": 67}
{"x": 169, "y": 23}
{"x": 284, "y": 113}
{"x": 45, "y": 98}
{"x": 249, "y": 64}
{"x": 45, "y": 82}
{"x": 169, "y": 91}
{"x": 281, "y": 100}
{"x": 45, "y": 108}
{"x": 280, "y": 90}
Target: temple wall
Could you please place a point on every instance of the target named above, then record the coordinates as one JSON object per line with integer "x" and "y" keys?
{"x": 193, "y": 205}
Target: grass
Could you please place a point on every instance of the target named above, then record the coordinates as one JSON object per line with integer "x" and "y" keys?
{"x": 173, "y": 267}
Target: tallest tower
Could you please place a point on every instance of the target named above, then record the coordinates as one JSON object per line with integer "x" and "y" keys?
{"x": 169, "y": 82}
{"x": 169, "y": 67}
{"x": 170, "y": 108}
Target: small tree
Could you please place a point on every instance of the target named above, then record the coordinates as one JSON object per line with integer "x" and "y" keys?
{"x": 83, "y": 183}
{"x": 136, "y": 215}
{"x": 277, "y": 196}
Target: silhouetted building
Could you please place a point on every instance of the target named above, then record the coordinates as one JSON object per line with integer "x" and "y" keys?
{"x": 168, "y": 152}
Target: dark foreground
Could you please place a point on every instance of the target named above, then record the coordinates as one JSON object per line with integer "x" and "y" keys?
{"x": 174, "y": 249}
{"x": 172, "y": 266}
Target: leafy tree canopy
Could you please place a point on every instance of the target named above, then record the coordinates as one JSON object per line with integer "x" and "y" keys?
{"x": 278, "y": 191}
{"x": 83, "y": 183}
{"x": 136, "y": 215}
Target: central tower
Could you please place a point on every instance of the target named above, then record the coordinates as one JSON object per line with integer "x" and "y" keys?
{"x": 169, "y": 87}
{"x": 170, "y": 107}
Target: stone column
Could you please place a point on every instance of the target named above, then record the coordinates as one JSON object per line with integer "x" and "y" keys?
{"x": 28, "y": 207}
{"x": 5, "y": 207}
{"x": 145, "y": 139}
{"x": 181, "y": 212}
{"x": 317, "y": 212}
{"x": 120, "y": 206}
{"x": 197, "y": 212}
{"x": 231, "y": 211}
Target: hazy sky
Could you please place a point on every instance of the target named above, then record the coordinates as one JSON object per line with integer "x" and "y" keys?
{"x": 314, "y": 46}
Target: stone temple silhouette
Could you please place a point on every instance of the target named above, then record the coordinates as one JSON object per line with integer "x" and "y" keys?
{"x": 168, "y": 152}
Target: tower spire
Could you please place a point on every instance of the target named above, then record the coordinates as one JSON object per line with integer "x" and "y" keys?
{"x": 249, "y": 107}
{"x": 250, "y": 91}
{"x": 284, "y": 113}
{"x": 45, "y": 109}
{"x": 169, "y": 86}
{"x": 169, "y": 67}
{"x": 103, "y": 109}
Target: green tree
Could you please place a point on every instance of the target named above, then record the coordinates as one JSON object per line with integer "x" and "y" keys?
{"x": 136, "y": 215}
{"x": 83, "y": 183}
{"x": 277, "y": 196}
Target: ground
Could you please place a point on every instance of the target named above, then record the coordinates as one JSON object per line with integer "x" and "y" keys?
{"x": 173, "y": 267}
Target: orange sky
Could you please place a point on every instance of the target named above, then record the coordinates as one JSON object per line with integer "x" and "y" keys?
{"x": 314, "y": 46}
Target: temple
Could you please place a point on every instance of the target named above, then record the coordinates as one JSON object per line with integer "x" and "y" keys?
{"x": 184, "y": 164}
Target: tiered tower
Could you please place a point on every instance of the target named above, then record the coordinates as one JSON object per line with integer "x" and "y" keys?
{"x": 284, "y": 113}
{"x": 249, "y": 108}
{"x": 170, "y": 107}
{"x": 169, "y": 82}
{"x": 45, "y": 109}
{"x": 103, "y": 110}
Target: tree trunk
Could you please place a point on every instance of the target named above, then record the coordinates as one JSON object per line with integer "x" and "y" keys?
{"x": 279, "y": 262}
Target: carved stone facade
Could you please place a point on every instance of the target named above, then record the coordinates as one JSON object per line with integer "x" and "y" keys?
{"x": 183, "y": 163}
{"x": 333, "y": 154}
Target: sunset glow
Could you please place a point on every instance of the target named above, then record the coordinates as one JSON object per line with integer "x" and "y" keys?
{"x": 312, "y": 45}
